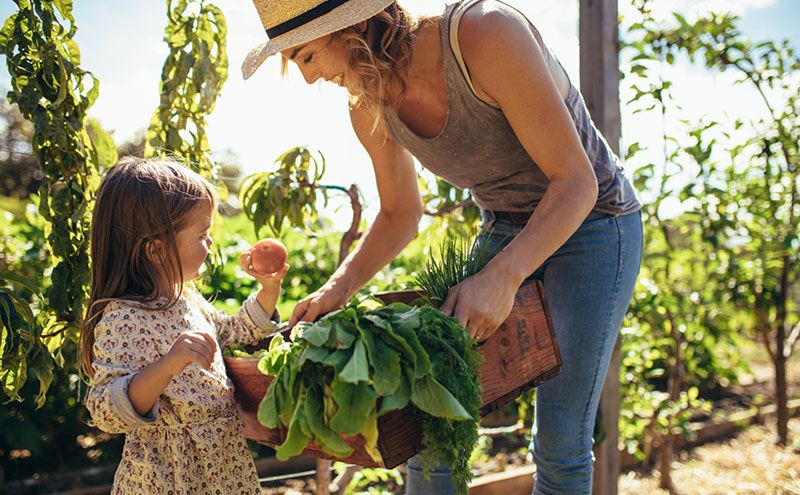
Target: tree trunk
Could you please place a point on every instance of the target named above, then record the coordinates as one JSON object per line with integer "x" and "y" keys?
{"x": 665, "y": 463}
{"x": 781, "y": 393}
{"x": 674, "y": 387}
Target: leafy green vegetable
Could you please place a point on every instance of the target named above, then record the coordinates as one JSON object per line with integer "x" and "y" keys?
{"x": 340, "y": 374}
{"x": 235, "y": 350}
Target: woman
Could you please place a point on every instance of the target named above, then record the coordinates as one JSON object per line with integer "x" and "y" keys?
{"x": 476, "y": 96}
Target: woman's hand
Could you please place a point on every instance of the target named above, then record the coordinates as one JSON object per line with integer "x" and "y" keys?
{"x": 480, "y": 303}
{"x": 327, "y": 298}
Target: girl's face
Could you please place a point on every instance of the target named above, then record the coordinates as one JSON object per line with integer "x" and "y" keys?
{"x": 194, "y": 242}
{"x": 323, "y": 58}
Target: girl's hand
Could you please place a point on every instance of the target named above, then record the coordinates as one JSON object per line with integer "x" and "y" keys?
{"x": 327, "y": 298}
{"x": 268, "y": 280}
{"x": 480, "y": 303}
{"x": 270, "y": 290}
{"x": 188, "y": 348}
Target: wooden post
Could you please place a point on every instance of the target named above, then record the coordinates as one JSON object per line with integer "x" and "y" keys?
{"x": 323, "y": 476}
{"x": 599, "y": 67}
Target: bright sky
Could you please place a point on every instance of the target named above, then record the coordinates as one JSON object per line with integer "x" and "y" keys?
{"x": 258, "y": 119}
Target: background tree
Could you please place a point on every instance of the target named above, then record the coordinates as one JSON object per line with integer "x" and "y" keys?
{"x": 21, "y": 175}
{"x": 747, "y": 198}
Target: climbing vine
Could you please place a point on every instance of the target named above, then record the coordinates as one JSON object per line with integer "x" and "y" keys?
{"x": 54, "y": 93}
{"x": 191, "y": 81}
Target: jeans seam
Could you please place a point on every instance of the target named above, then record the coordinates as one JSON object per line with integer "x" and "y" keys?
{"x": 606, "y": 320}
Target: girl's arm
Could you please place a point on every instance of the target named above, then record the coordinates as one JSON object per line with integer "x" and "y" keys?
{"x": 257, "y": 317}
{"x": 394, "y": 226}
{"x": 149, "y": 383}
{"x": 129, "y": 370}
{"x": 509, "y": 70}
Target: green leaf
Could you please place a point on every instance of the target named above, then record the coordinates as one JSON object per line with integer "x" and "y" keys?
{"x": 370, "y": 433}
{"x": 431, "y": 397}
{"x": 275, "y": 360}
{"x": 298, "y": 435}
{"x": 340, "y": 337}
{"x": 314, "y": 354}
{"x": 355, "y": 403}
{"x": 6, "y": 33}
{"x": 330, "y": 441}
{"x": 357, "y": 369}
{"x": 337, "y": 359}
{"x": 386, "y": 365}
{"x": 268, "y": 414}
{"x": 315, "y": 333}
{"x": 104, "y": 144}
{"x": 397, "y": 400}
{"x": 423, "y": 362}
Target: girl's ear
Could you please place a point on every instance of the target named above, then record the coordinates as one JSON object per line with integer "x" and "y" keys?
{"x": 154, "y": 251}
{"x": 362, "y": 26}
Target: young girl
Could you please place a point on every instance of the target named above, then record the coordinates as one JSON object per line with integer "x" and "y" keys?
{"x": 151, "y": 342}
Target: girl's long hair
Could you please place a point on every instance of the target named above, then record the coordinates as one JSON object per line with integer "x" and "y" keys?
{"x": 140, "y": 207}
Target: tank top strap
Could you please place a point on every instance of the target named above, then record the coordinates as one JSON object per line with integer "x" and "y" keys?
{"x": 554, "y": 67}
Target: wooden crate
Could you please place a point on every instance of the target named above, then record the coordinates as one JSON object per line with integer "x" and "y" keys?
{"x": 521, "y": 354}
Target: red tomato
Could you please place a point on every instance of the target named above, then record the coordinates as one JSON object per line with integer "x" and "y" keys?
{"x": 268, "y": 256}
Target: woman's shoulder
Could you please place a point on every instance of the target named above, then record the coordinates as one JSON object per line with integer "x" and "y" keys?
{"x": 489, "y": 18}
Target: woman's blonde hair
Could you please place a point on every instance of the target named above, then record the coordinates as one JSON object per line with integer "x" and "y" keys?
{"x": 379, "y": 57}
{"x": 140, "y": 204}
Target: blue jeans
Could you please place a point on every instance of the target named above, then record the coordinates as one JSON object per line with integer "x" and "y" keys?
{"x": 588, "y": 283}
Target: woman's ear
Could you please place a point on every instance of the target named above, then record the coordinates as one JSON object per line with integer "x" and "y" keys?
{"x": 154, "y": 250}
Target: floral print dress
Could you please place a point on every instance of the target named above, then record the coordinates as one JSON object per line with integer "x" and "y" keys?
{"x": 191, "y": 441}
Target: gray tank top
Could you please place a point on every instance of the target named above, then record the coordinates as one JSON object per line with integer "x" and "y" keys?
{"x": 478, "y": 150}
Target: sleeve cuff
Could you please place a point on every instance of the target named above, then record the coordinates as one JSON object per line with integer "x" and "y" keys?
{"x": 122, "y": 404}
{"x": 260, "y": 317}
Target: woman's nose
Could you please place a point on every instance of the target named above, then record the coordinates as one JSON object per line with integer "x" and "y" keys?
{"x": 309, "y": 74}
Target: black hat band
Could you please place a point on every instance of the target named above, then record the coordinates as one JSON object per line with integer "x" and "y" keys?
{"x": 304, "y": 18}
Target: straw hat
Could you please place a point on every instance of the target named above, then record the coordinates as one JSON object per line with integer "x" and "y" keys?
{"x": 293, "y": 22}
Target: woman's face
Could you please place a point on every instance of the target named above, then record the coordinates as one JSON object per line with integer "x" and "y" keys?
{"x": 323, "y": 58}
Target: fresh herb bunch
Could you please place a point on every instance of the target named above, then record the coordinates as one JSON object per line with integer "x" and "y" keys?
{"x": 457, "y": 263}
{"x": 330, "y": 377}
{"x": 457, "y": 366}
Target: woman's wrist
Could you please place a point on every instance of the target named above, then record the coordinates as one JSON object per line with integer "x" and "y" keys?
{"x": 504, "y": 267}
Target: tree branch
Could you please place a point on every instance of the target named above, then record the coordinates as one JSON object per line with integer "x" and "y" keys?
{"x": 447, "y": 209}
{"x": 793, "y": 338}
{"x": 352, "y": 234}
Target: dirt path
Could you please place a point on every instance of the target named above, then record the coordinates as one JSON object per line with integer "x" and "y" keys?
{"x": 748, "y": 464}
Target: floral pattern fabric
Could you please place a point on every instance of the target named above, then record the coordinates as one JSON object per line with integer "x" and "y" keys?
{"x": 191, "y": 442}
